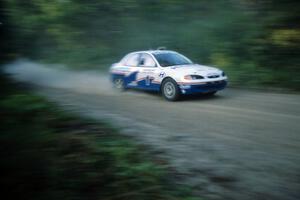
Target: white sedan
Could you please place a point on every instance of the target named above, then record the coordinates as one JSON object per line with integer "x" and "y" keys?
{"x": 167, "y": 72}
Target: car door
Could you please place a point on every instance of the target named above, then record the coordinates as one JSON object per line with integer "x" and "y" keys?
{"x": 132, "y": 62}
{"x": 148, "y": 73}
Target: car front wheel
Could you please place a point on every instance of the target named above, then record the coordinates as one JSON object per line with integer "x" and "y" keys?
{"x": 170, "y": 90}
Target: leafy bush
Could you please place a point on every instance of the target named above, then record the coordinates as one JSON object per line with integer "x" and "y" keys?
{"x": 48, "y": 154}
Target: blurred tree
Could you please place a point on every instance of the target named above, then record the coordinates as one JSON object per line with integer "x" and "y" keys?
{"x": 254, "y": 39}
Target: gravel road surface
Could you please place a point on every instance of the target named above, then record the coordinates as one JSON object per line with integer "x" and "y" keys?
{"x": 239, "y": 144}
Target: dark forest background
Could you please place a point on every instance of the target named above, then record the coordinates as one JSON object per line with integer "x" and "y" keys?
{"x": 256, "y": 42}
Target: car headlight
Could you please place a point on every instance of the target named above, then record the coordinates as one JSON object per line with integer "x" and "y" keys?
{"x": 193, "y": 77}
{"x": 223, "y": 74}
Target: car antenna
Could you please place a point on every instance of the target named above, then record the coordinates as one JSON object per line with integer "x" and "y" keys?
{"x": 161, "y": 48}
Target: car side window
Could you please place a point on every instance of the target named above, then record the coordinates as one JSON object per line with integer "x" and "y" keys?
{"x": 132, "y": 60}
{"x": 146, "y": 61}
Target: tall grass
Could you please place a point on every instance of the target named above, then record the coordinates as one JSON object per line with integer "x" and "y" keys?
{"x": 49, "y": 154}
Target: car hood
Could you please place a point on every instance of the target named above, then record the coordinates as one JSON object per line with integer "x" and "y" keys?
{"x": 194, "y": 69}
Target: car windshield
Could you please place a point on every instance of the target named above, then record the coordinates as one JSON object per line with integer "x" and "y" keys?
{"x": 171, "y": 59}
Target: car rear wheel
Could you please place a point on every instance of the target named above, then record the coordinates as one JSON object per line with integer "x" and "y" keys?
{"x": 170, "y": 90}
{"x": 119, "y": 84}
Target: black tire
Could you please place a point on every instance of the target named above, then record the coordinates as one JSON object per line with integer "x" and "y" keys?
{"x": 119, "y": 84}
{"x": 170, "y": 90}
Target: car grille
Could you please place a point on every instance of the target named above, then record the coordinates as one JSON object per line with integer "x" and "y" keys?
{"x": 213, "y": 76}
{"x": 215, "y": 82}
{"x": 212, "y": 85}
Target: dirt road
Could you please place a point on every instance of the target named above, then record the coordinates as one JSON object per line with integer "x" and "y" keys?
{"x": 237, "y": 145}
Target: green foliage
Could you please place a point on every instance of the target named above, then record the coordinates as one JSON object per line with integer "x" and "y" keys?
{"x": 48, "y": 154}
{"x": 252, "y": 36}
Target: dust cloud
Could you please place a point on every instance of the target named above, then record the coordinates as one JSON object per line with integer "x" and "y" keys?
{"x": 58, "y": 76}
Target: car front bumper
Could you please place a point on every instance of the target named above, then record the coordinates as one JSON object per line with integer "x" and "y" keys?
{"x": 203, "y": 87}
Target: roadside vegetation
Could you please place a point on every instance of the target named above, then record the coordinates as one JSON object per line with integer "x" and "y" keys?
{"x": 49, "y": 154}
{"x": 256, "y": 42}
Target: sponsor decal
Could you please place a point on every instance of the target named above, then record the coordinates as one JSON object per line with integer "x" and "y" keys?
{"x": 185, "y": 86}
{"x": 148, "y": 80}
{"x": 162, "y": 74}
{"x": 148, "y": 70}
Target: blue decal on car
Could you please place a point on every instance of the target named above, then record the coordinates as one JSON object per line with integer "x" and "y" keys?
{"x": 130, "y": 78}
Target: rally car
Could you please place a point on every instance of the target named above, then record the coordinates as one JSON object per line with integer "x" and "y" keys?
{"x": 167, "y": 72}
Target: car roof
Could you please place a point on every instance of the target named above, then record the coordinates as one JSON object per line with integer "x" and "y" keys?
{"x": 154, "y": 51}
